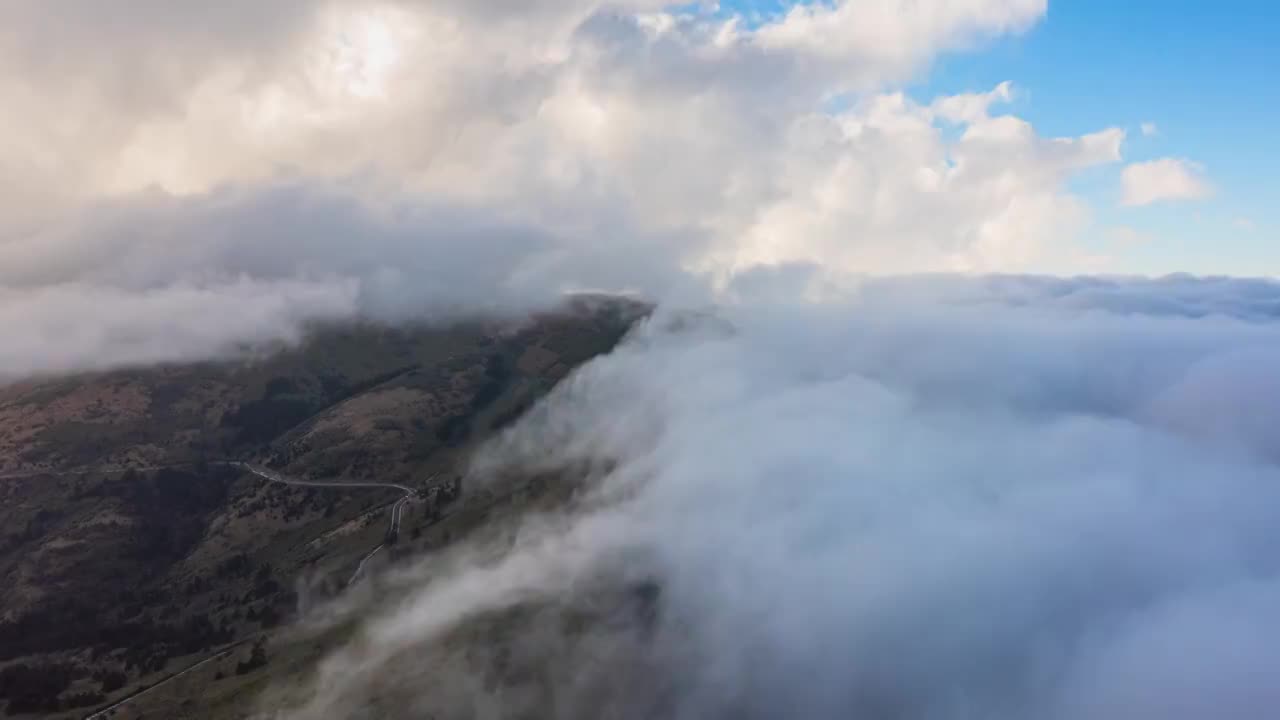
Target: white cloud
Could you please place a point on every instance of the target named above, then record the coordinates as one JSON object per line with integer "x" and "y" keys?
{"x": 267, "y": 261}
{"x": 1128, "y": 235}
{"x": 70, "y": 327}
{"x": 609, "y": 147}
{"x": 1149, "y": 129}
{"x": 241, "y": 93}
{"x": 936, "y": 498}
{"x": 879, "y": 189}
{"x": 1166, "y": 179}
{"x": 894, "y": 35}
{"x": 972, "y": 107}
{"x": 1245, "y": 224}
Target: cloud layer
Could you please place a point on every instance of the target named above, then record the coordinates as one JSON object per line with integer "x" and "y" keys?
{"x": 423, "y": 156}
{"x": 1166, "y": 179}
{"x": 1004, "y": 498}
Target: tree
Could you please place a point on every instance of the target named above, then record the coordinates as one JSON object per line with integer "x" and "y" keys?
{"x": 257, "y": 658}
{"x": 112, "y": 681}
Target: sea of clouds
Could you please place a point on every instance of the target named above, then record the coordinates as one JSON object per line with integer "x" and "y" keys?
{"x": 997, "y": 498}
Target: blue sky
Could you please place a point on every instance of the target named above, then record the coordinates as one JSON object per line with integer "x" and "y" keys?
{"x": 1204, "y": 73}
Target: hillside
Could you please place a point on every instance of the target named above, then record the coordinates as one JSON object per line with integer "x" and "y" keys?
{"x": 132, "y": 543}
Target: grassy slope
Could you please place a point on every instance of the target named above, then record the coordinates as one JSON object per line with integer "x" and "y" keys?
{"x": 186, "y": 558}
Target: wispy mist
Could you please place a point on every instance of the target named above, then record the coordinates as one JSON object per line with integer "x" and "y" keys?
{"x": 894, "y": 507}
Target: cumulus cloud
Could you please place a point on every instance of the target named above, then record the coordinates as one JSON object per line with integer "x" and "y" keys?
{"x": 577, "y": 144}
{"x": 895, "y": 34}
{"x": 935, "y": 498}
{"x": 879, "y": 189}
{"x": 1166, "y": 179}
{"x": 190, "y": 99}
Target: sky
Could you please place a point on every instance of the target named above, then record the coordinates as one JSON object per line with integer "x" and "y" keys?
{"x": 390, "y": 158}
{"x": 1198, "y": 74}
{"x": 1184, "y": 78}
{"x": 169, "y": 162}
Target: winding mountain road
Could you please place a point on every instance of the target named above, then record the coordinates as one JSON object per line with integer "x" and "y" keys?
{"x": 397, "y": 510}
{"x": 106, "y": 711}
{"x": 274, "y": 476}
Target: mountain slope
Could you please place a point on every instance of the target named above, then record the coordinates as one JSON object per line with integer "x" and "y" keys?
{"x": 131, "y": 545}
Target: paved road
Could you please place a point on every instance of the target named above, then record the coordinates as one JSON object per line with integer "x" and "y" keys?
{"x": 274, "y": 476}
{"x": 133, "y": 696}
{"x": 258, "y": 470}
{"x": 365, "y": 559}
{"x": 397, "y": 515}
{"x": 397, "y": 510}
